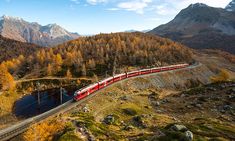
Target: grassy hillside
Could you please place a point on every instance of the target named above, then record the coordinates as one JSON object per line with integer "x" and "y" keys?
{"x": 11, "y": 49}
{"x": 100, "y": 54}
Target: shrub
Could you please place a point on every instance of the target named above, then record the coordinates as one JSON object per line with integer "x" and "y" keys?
{"x": 222, "y": 76}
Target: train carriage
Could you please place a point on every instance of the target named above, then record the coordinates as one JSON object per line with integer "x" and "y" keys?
{"x": 82, "y": 93}
{"x": 145, "y": 71}
{"x": 154, "y": 70}
{"x": 109, "y": 81}
{"x": 119, "y": 77}
{"x": 132, "y": 74}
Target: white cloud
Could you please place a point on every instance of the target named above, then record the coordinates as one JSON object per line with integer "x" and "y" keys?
{"x": 172, "y": 7}
{"x": 94, "y": 2}
{"x": 165, "y": 9}
{"x": 113, "y": 9}
{"x": 180, "y": 4}
{"x": 134, "y": 5}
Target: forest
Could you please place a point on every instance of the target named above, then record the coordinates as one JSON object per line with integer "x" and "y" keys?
{"x": 101, "y": 55}
{"x": 12, "y": 49}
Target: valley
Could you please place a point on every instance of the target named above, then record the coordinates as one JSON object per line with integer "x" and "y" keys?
{"x": 153, "y": 100}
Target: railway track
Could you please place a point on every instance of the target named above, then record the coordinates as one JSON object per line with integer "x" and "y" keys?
{"x": 19, "y": 128}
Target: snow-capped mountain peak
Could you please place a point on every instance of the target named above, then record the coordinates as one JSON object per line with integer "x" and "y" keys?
{"x": 55, "y": 30}
{"x": 198, "y": 5}
{"x": 231, "y": 6}
{"x": 5, "y": 17}
{"x": 21, "y": 30}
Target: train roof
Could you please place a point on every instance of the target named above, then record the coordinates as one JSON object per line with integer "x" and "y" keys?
{"x": 145, "y": 69}
{"x": 107, "y": 79}
{"x": 119, "y": 75}
{"x": 88, "y": 87}
{"x": 132, "y": 72}
{"x": 169, "y": 66}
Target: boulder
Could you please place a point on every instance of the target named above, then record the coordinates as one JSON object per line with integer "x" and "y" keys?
{"x": 109, "y": 119}
{"x": 233, "y": 90}
{"x": 188, "y": 135}
{"x": 227, "y": 107}
{"x": 125, "y": 98}
{"x": 178, "y": 127}
{"x": 157, "y": 103}
{"x": 128, "y": 127}
{"x": 139, "y": 122}
{"x": 85, "y": 109}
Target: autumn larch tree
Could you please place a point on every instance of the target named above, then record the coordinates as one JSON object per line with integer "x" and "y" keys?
{"x": 6, "y": 79}
{"x": 49, "y": 70}
{"x": 68, "y": 74}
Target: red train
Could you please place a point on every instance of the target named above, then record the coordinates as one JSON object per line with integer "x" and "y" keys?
{"x": 82, "y": 93}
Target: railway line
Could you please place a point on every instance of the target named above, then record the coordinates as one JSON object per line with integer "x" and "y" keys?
{"x": 19, "y": 128}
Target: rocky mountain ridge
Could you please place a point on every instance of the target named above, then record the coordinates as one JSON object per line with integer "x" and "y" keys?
{"x": 231, "y": 6}
{"x": 21, "y": 30}
{"x": 200, "y": 26}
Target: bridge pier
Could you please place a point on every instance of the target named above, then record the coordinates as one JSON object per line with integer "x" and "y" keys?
{"x": 61, "y": 95}
{"x": 39, "y": 102}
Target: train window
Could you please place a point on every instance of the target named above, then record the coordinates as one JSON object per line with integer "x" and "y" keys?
{"x": 83, "y": 93}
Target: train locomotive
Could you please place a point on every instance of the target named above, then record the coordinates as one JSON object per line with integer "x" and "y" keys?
{"x": 84, "y": 92}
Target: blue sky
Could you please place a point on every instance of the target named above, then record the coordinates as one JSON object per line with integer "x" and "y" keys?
{"x": 96, "y": 16}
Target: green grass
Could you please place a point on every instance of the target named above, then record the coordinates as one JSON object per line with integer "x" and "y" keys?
{"x": 69, "y": 136}
{"x": 99, "y": 130}
{"x": 130, "y": 111}
{"x": 212, "y": 129}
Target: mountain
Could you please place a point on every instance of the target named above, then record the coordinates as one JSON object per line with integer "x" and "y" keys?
{"x": 11, "y": 49}
{"x": 231, "y": 6}
{"x": 21, "y": 30}
{"x": 201, "y": 27}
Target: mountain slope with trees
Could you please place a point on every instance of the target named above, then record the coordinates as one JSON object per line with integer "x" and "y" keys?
{"x": 100, "y": 54}
{"x": 11, "y": 49}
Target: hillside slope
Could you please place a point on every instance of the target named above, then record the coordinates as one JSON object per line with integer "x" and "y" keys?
{"x": 11, "y": 49}
{"x": 201, "y": 27}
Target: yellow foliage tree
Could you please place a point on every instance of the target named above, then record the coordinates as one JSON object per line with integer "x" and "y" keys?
{"x": 78, "y": 82}
{"x": 95, "y": 78}
{"x": 58, "y": 61}
{"x": 44, "y": 131}
{"x": 49, "y": 70}
{"x": 222, "y": 76}
{"x": 6, "y": 79}
{"x": 68, "y": 74}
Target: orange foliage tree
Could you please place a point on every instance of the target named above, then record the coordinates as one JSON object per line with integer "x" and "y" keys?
{"x": 68, "y": 74}
{"x": 6, "y": 79}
